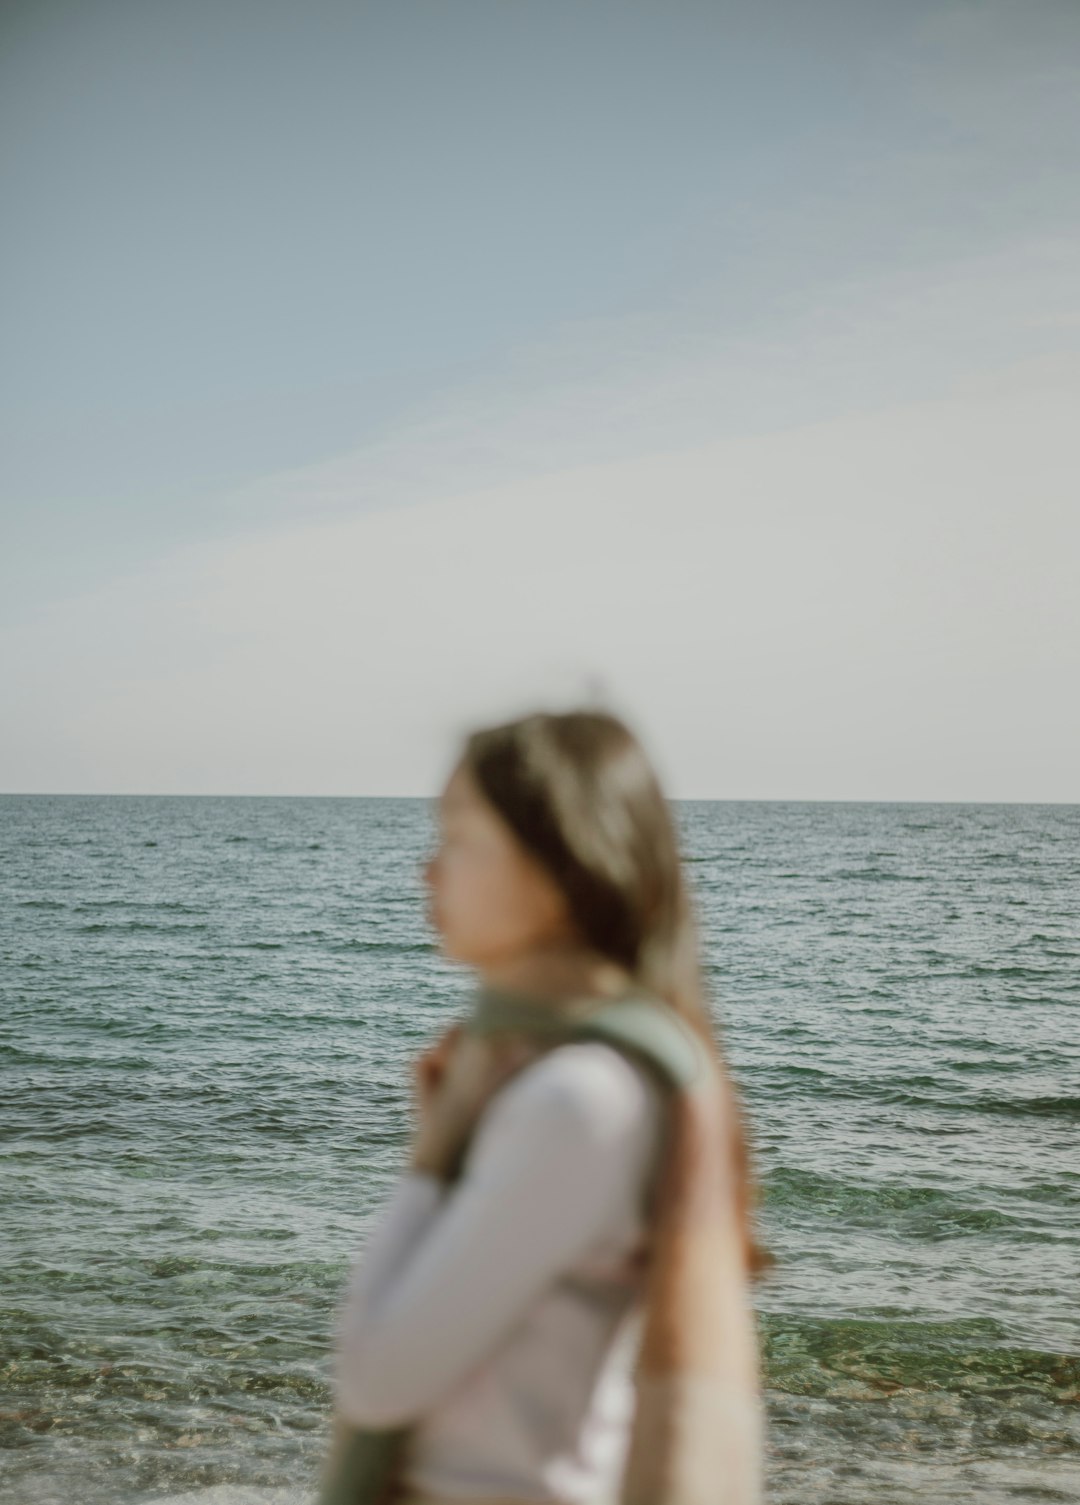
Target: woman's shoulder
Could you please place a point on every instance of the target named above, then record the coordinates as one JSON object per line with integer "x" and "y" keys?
{"x": 595, "y": 1083}
{"x": 581, "y": 1119}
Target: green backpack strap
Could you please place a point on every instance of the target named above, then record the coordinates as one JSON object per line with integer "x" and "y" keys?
{"x": 648, "y": 1027}
{"x": 364, "y": 1466}
{"x": 653, "y": 1031}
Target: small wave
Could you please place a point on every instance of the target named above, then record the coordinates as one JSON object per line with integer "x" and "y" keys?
{"x": 807, "y": 1356}
{"x": 1018, "y": 1107}
{"x": 989, "y": 969}
{"x": 127, "y": 927}
{"x": 236, "y": 1494}
{"x": 401, "y": 946}
{"x": 925, "y": 1209}
{"x": 1039, "y": 1107}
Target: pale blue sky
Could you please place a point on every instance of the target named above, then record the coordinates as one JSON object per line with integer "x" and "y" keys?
{"x": 272, "y": 269}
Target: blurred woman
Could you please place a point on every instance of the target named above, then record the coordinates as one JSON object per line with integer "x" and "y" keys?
{"x": 496, "y": 1320}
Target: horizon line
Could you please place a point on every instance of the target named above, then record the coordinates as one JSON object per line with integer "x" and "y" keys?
{"x": 707, "y": 799}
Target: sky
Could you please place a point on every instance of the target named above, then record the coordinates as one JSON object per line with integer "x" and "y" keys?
{"x": 373, "y": 371}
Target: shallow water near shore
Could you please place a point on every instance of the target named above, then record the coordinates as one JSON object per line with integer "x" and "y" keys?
{"x": 208, "y": 1010}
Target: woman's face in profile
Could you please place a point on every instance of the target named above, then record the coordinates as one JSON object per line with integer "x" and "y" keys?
{"x": 488, "y": 899}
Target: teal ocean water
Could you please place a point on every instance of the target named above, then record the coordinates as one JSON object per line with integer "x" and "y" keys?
{"x": 208, "y": 1010}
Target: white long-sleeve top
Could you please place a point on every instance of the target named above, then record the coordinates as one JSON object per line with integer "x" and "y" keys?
{"x": 498, "y": 1316}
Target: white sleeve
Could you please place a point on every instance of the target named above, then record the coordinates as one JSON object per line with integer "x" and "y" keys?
{"x": 559, "y": 1157}
{"x": 405, "y": 1214}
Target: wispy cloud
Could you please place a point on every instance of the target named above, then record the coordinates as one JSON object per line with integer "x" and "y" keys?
{"x": 880, "y": 605}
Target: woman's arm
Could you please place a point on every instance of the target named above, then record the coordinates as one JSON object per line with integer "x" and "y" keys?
{"x": 559, "y": 1158}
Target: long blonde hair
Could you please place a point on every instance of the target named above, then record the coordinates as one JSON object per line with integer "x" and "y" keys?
{"x": 581, "y": 795}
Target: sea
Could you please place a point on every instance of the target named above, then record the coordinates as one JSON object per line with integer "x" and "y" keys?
{"x": 209, "y": 1007}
